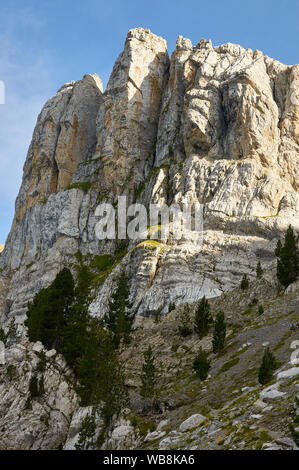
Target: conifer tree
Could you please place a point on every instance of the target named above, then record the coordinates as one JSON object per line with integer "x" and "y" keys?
{"x": 113, "y": 389}
{"x": 92, "y": 366}
{"x": 244, "y": 282}
{"x": 100, "y": 373}
{"x": 260, "y": 310}
{"x": 259, "y": 270}
{"x": 219, "y": 333}
{"x": 278, "y": 248}
{"x": 201, "y": 364}
{"x": 267, "y": 367}
{"x": 118, "y": 319}
{"x": 74, "y": 335}
{"x": 184, "y": 327}
{"x": 61, "y": 295}
{"x": 288, "y": 259}
{"x": 87, "y": 433}
{"x": 148, "y": 376}
{"x": 203, "y": 318}
{"x": 47, "y": 314}
{"x": 33, "y": 387}
{"x": 36, "y": 315}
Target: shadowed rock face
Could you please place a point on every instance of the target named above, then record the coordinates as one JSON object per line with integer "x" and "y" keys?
{"x": 214, "y": 124}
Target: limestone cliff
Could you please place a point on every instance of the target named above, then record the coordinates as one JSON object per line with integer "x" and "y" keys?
{"x": 214, "y": 124}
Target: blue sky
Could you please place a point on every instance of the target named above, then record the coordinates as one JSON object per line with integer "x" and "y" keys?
{"x": 46, "y": 43}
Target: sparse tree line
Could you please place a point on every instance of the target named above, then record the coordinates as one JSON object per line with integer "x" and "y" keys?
{"x": 58, "y": 317}
{"x": 287, "y": 254}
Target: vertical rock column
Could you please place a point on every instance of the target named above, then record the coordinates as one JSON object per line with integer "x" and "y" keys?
{"x": 128, "y": 117}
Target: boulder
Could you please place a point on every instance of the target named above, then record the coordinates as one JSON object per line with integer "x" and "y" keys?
{"x": 193, "y": 421}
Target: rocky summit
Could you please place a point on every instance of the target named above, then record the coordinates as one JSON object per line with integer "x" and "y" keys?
{"x": 213, "y": 124}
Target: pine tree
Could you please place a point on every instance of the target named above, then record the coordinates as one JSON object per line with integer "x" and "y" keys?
{"x": 87, "y": 433}
{"x": 278, "y": 248}
{"x": 201, "y": 364}
{"x": 61, "y": 295}
{"x": 219, "y": 333}
{"x": 36, "y": 315}
{"x": 100, "y": 373}
{"x": 33, "y": 387}
{"x": 259, "y": 270}
{"x": 260, "y": 310}
{"x": 244, "y": 282}
{"x": 47, "y": 314}
{"x": 203, "y": 318}
{"x": 118, "y": 319}
{"x": 74, "y": 336}
{"x": 92, "y": 366}
{"x": 148, "y": 376}
{"x": 41, "y": 386}
{"x": 267, "y": 367}
{"x": 113, "y": 389}
{"x": 288, "y": 259}
{"x": 184, "y": 328}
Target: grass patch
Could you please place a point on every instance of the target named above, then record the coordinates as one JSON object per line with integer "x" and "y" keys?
{"x": 83, "y": 185}
{"x": 149, "y": 244}
{"x": 228, "y": 365}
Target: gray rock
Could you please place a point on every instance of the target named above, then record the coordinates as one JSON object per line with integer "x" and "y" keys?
{"x": 193, "y": 421}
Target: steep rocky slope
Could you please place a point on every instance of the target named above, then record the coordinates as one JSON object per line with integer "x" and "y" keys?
{"x": 217, "y": 125}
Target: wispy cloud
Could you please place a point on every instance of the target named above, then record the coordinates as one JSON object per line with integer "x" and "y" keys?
{"x": 28, "y": 82}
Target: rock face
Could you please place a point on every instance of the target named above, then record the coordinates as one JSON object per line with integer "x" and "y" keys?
{"x": 218, "y": 125}
{"x": 39, "y": 422}
{"x": 128, "y": 117}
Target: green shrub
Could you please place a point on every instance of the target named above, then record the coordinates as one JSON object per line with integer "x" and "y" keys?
{"x": 259, "y": 270}
{"x": 184, "y": 327}
{"x": 3, "y": 336}
{"x": 219, "y": 333}
{"x": 288, "y": 258}
{"x": 42, "y": 363}
{"x": 244, "y": 282}
{"x": 84, "y": 185}
{"x": 87, "y": 433}
{"x": 268, "y": 365}
{"x": 203, "y": 318}
{"x": 201, "y": 364}
{"x": 228, "y": 365}
{"x": 260, "y": 310}
{"x": 11, "y": 371}
{"x": 148, "y": 376}
{"x": 33, "y": 387}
